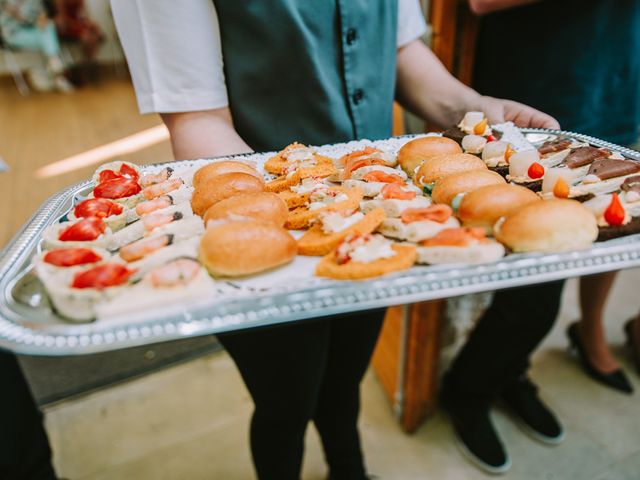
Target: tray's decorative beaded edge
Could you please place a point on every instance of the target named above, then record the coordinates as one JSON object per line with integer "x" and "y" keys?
{"x": 401, "y": 288}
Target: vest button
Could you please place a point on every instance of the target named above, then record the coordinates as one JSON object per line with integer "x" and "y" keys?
{"x": 357, "y": 96}
{"x": 352, "y": 36}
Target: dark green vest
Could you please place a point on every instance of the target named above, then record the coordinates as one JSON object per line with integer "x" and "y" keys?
{"x": 313, "y": 71}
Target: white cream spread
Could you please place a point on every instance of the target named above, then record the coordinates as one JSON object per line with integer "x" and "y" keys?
{"x": 470, "y": 120}
{"x": 493, "y": 154}
{"x": 631, "y": 197}
{"x": 334, "y": 222}
{"x": 591, "y": 178}
{"x": 309, "y": 185}
{"x": 359, "y": 173}
{"x": 324, "y": 197}
{"x": 366, "y": 249}
{"x": 298, "y": 154}
{"x": 473, "y": 143}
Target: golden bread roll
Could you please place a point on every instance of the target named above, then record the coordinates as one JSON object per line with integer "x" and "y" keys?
{"x": 218, "y": 168}
{"x": 413, "y": 153}
{"x": 439, "y": 166}
{"x": 548, "y": 226}
{"x": 239, "y": 248}
{"x": 223, "y": 186}
{"x": 448, "y": 187}
{"x": 484, "y": 206}
{"x": 264, "y": 206}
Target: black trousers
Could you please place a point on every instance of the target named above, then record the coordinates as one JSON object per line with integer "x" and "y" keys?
{"x": 498, "y": 350}
{"x": 303, "y": 372}
{"x": 24, "y": 447}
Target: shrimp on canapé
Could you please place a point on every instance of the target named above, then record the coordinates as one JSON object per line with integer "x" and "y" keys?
{"x": 162, "y": 188}
{"x": 141, "y": 248}
{"x": 155, "y": 178}
{"x": 155, "y": 220}
{"x": 177, "y": 272}
{"x": 144, "y": 208}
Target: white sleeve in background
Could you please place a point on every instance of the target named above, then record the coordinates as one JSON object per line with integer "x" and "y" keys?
{"x": 174, "y": 55}
{"x": 411, "y": 23}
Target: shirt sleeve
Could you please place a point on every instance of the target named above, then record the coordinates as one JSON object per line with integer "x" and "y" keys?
{"x": 411, "y": 22}
{"x": 174, "y": 54}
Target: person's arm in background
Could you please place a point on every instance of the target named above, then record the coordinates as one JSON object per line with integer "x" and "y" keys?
{"x": 175, "y": 60}
{"x": 482, "y": 7}
{"x": 426, "y": 88}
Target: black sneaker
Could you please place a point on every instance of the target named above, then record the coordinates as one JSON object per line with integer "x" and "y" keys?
{"x": 531, "y": 414}
{"x": 476, "y": 436}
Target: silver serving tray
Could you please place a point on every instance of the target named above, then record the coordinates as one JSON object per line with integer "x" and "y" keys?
{"x": 29, "y": 326}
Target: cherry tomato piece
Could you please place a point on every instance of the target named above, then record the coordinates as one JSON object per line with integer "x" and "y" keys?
{"x": 102, "y": 276}
{"x": 84, "y": 230}
{"x": 69, "y": 257}
{"x": 97, "y": 207}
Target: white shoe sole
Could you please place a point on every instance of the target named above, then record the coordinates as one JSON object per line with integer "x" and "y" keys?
{"x": 548, "y": 441}
{"x": 485, "y": 467}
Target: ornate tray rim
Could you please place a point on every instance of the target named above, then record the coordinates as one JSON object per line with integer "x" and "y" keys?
{"x": 418, "y": 284}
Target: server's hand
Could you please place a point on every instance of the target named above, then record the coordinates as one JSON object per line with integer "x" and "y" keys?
{"x": 499, "y": 110}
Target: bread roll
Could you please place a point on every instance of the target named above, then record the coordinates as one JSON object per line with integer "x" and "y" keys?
{"x": 218, "y": 168}
{"x": 223, "y": 186}
{"x": 439, "y": 166}
{"x": 448, "y": 187}
{"x": 548, "y": 226}
{"x": 484, "y": 206}
{"x": 264, "y": 206}
{"x": 413, "y": 153}
{"x": 240, "y": 248}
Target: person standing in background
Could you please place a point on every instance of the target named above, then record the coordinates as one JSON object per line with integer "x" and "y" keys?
{"x": 24, "y": 448}
{"x": 24, "y": 24}
{"x": 578, "y": 60}
{"x": 318, "y": 73}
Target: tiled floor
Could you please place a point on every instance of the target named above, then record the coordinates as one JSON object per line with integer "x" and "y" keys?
{"x": 190, "y": 422}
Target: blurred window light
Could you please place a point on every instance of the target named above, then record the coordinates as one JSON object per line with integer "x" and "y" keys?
{"x": 130, "y": 144}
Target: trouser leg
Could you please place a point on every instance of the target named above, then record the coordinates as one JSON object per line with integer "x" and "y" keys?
{"x": 353, "y": 338}
{"x": 500, "y": 345}
{"x": 24, "y": 448}
{"x": 282, "y": 368}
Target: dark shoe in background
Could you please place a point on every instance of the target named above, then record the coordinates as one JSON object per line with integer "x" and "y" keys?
{"x": 475, "y": 434}
{"x": 616, "y": 379}
{"x": 530, "y": 412}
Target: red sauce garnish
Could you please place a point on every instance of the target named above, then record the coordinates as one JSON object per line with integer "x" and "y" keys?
{"x": 535, "y": 171}
{"x": 491, "y": 138}
{"x": 69, "y": 257}
{"x": 84, "y": 230}
{"x": 614, "y": 214}
{"x": 97, "y": 207}
{"x": 120, "y": 187}
{"x": 102, "y": 276}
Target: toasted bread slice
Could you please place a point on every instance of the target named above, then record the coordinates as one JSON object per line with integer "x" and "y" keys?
{"x": 282, "y": 183}
{"x": 301, "y": 218}
{"x": 405, "y": 257}
{"x": 278, "y": 164}
{"x": 317, "y": 243}
{"x": 293, "y": 199}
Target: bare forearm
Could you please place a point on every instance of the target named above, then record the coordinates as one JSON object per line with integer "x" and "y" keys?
{"x": 482, "y": 7}
{"x": 426, "y": 88}
{"x": 208, "y": 133}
